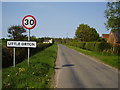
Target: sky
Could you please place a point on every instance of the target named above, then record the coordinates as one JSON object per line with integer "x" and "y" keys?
{"x": 59, "y": 0}
{"x": 55, "y": 19}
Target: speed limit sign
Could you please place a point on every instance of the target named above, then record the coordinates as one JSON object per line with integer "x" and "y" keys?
{"x": 29, "y": 22}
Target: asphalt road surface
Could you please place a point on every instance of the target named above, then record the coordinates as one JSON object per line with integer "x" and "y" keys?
{"x": 75, "y": 70}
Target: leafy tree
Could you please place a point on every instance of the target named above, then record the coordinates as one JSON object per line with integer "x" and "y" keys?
{"x": 112, "y": 13}
{"x": 16, "y": 32}
{"x": 86, "y": 34}
{"x": 41, "y": 39}
{"x": 33, "y": 38}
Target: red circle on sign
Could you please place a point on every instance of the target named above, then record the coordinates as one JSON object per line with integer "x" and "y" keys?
{"x": 26, "y": 26}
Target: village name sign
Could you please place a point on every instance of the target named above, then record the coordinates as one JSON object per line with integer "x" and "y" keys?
{"x": 31, "y": 44}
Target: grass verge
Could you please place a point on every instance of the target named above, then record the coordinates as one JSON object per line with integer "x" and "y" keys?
{"x": 110, "y": 59}
{"x": 37, "y": 75}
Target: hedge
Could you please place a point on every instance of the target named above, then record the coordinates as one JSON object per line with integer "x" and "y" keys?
{"x": 21, "y": 54}
{"x": 90, "y": 46}
{"x": 97, "y": 46}
{"x": 100, "y": 46}
{"x": 81, "y": 45}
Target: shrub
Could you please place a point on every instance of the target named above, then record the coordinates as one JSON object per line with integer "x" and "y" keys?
{"x": 90, "y": 46}
{"x": 81, "y": 45}
{"x": 70, "y": 43}
{"x": 6, "y": 56}
{"x": 75, "y": 44}
{"x": 100, "y": 46}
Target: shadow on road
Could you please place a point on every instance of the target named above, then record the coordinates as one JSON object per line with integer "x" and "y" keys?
{"x": 67, "y": 65}
{"x": 57, "y": 68}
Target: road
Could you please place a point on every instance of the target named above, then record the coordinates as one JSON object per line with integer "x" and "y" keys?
{"x": 75, "y": 70}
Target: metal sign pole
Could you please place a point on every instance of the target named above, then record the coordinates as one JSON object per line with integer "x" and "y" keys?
{"x": 13, "y": 57}
{"x": 28, "y": 48}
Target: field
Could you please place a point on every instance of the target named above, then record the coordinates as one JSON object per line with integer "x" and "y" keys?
{"x": 110, "y": 59}
{"x": 37, "y": 75}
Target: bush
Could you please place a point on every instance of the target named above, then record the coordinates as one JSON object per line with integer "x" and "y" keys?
{"x": 75, "y": 44}
{"x": 81, "y": 45}
{"x": 6, "y": 56}
{"x": 70, "y": 43}
{"x": 100, "y": 46}
{"x": 90, "y": 46}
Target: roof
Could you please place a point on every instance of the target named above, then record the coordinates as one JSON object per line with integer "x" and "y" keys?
{"x": 105, "y": 35}
{"x": 46, "y": 41}
{"x": 114, "y": 36}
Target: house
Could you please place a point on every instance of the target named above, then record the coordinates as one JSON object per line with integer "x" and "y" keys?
{"x": 105, "y": 36}
{"x": 113, "y": 37}
{"x": 48, "y": 41}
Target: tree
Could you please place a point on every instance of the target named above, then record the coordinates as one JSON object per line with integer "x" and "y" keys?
{"x": 112, "y": 13}
{"x": 41, "y": 40}
{"x": 86, "y": 34}
{"x": 33, "y": 38}
{"x": 16, "y": 32}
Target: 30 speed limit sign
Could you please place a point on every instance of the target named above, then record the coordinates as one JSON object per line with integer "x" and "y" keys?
{"x": 29, "y": 22}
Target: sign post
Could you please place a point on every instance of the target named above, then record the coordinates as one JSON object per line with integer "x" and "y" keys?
{"x": 28, "y": 48}
{"x": 29, "y": 22}
{"x": 14, "y": 57}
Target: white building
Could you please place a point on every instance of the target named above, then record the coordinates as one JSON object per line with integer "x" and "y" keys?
{"x": 48, "y": 41}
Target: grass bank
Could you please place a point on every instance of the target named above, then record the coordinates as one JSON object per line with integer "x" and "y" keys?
{"x": 110, "y": 59}
{"x": 37, "y": 75}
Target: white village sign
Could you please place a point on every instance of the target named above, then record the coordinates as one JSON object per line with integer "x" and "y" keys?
{"x": 30, "y": 44}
